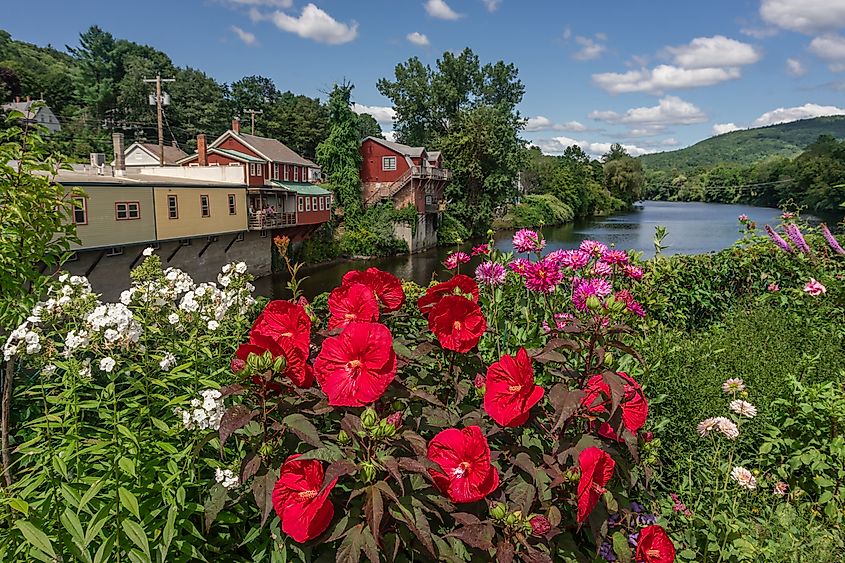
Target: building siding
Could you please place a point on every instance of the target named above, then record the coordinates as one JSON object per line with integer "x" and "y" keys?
{"x": 371, "y": 164}
{"x": 190, "y": 222}
{"x": 103, "y": 229}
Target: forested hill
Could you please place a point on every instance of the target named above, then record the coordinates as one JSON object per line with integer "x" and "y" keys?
{"x": 747, "y": 146}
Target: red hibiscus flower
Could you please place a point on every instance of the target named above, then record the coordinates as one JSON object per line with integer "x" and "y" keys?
{"x": 596, "y": 470}
{"x": 457, "y": 323}
{"x": 296, "y": 369}
{"x": 510, "y": 390}
{"x": 387, "y": 287}
{"x": 352, "y": 302}
{"x": 355, "y": 367}
{"x": 304, "y": 510}
{"x": 655, "y": 546}
{"x": 283, "y": 320}
{"x": 464, "y": 457}
{"x": 458, "y": 285}
{"x": 634, "y": 405}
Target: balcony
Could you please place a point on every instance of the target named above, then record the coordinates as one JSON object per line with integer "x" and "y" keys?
{"x": 264, "y": 220}
{"x": 428, "y": 173}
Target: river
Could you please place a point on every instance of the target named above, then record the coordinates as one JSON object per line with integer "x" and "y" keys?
{"x": 693, "y": 228}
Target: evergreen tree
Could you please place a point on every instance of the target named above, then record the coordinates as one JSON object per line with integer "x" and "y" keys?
{"x": 339, "y": 154}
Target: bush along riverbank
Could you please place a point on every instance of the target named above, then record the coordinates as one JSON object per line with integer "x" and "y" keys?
{"x": 534, "y": 211}
{"x": 538, "y": 408}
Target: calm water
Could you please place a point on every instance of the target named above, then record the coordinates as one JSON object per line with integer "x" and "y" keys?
{"x": 694, "y": 228}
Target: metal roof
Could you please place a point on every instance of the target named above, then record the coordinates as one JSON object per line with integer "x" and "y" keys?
{"x": 236, "y": 154}
{"x": 302, "y": 188}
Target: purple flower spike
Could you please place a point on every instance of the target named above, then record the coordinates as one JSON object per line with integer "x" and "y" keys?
{"x": 778, "y": 240}
{"x": 831, "y": 240}
{"x": 794, "y": 234}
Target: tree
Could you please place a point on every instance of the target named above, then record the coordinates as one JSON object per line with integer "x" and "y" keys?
{"x": 251, "y": 92}
{"x": 95, "y": 58}
{"x": 623, "y": 176}
{"x": 299, "y": 121}
{"x": 339, "y": 155}
{"x": 369, "y": 127}
{"x": 10, "y": 84}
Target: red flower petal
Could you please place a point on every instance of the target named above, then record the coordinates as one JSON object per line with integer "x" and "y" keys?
{"x": 458, "y": 285}
{"x": 352, "y": 302}
{"x": 596, "y": 470}
{"x": 634, "y": 405}
{"x": 295, "y": 367}
{"x": 387, "y": 287}
{"x": 457, "y": 323}
{"x": 356, "y": 367}
{"x": 655, "y": 546}
{"x": 283, "y": 320}
{"x": 303, "y": 508}
{"x": 464, "y": 457}
{"x": 510, "y": 390}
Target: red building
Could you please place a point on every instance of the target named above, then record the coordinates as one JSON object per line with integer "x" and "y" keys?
{"x": 403, "y": 174}
{"x": 282, "y": 192}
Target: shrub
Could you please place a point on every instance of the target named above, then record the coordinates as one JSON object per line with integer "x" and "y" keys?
{"x": 536, "y": 210}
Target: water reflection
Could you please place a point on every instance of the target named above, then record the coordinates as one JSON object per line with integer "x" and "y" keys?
{"x": 694, "y": 228}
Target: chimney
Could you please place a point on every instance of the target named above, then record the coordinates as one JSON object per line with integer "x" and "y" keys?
{"x": 119, "y": 157}
{"x": 236, "y": 125}
{"x": 202, "y": 150}
{"x": 174, "y": 143}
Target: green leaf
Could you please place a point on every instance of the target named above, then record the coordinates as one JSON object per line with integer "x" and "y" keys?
{"x": 35, "y": 537}
{"x": 621, "y": 547}
{"x": 129, "y": 501}
{"x": 72, "y": 524}
{"x": 214, "y": 504}
{"x": 127, "y": 465}
{"x": 303, "y": 428}
{"x": 135, "y": 532}
{"x": 20, "y": 505}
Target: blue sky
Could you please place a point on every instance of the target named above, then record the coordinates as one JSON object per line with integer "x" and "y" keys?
{"x": 653, "y": 75}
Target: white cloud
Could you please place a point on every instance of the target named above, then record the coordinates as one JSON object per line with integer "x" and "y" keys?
{"x": 382, "y": 114}
{"x": 441, "y": 10}
{"x": 313, "y": 23}
{"x": 245, "y": 36}
{"x": 759, "y": 32}
{"x": 557, "y": 145}
{"x": 831, "y": 48}
{"x": 590, "y": 49}
{"x": 670, "y": 110}
{"x": 417, "y": 38}
{"x": 662, "y": 78}
{"x": 795, "y": 68}
{"x": 722, "y": 128}
{"x": 284, "y": 4}
{"x": 714, "y": 52}
{"x": 645, "y": 131}
{"x": 543, "y": 123}
{"x": 567, "y": 33}
{"x": 785, "y": 115}
{"x": 670, "y": 142}
{"x": 389, "y": 135}
{"x": 806, "y": 16}
{"x": 492, "y": 5}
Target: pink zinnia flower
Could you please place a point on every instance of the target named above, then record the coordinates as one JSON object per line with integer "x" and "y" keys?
{"x": 526, "y": 240}
{"x": 543, "y": 276}
{"x": 814, "y": 288}
{"x": 615, "y": 257}
{"x": 490, "y": 273}
{"x": 575, "y": 259}
{"x": 519, "y": 265}
{"x": 593, "y": 247}
{"x": 831, "y": 240}
{"x": 456, "y": 259}
{"x": 777, "y": 239}
{"x": 481, "y": 249}
{"x": 773, "y": 287}
{"x": 601, "y": 269}
{"x": 633, "y": 272}
{"x": 587, "y": 288}
{"x": 743, "y": 218}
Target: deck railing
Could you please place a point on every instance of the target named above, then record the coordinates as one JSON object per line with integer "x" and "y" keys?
{"x": 262, "y": 220}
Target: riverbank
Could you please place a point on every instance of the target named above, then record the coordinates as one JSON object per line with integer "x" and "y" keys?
{"x": 536, "y": 210}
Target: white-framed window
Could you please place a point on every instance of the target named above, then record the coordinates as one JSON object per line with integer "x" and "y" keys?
{"x": 255, "y": 169}
{"x": 307, "y": 204}
{"x": 275, "y": 170}
{"x": 127, "y": 210}
{"x": 296, "y": 173}
{"x": 388, "y": 163}
{"x": 328, "y": 199}
{"x": 80, "y": 210}
{"x": 233, "y": 204}
{"x": 205, "y": 207}
{"x": 314, "y": 203}
{"x": 322, "y": 204}
{"x": 172, "y": 207}
{"x": 287, "y": 172}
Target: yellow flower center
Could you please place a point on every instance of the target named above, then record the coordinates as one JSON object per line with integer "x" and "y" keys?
{"x": 653, "y": 552}
{"x": 515, "y": 388}
{"x": 456, "y": 325}
{"x": 307, "y": 495}
{"x": 461, "y": 469}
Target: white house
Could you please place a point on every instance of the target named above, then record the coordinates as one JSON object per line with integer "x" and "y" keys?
{"x": 147, "y": 154}
{"x": 41, "y": 114}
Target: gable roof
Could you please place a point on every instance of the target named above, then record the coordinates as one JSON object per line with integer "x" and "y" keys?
{"x": 25, "y": 108}
{"x": 433, "y": 155}
{"x": 237, "y": 155}
{"x": 171, "y": 154}
{"x": 404, "y": 150}
{"x": 270, "y": 149}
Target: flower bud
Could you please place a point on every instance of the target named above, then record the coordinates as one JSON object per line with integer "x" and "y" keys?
{"x": 266, "y": 450}
{"x": 397, "y": 405}
{"x": 369, "y": 418}
{"x": 573, "y": 474}
{"x": 237, "y": 365}
{"x": 513, "y": 518}
{"x": 540, "y": 525}
{"x": 368, "y": 472}
{"x": 479, "y": 382}
{"x": 648, "y": 436}
{"x": 394, "y": 419}
{"x": 343, "y": 437}
{"x": 279, "y": 364}
{"x": 593, "y": 302}
{"x": 498, "y": 511}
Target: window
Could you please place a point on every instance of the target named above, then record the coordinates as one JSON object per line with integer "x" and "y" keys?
{"x": 275, "y": 170}
{"x": 233, "y": 206}
{"x": 172, "y": 207}
{"x": 428, "y": 199}
{"x": 125, "y": 210}
{"x": 307, "y": 204}
{"x": 314, "y": 203}
{"x": 115, "y": 251}
{"x": 388, "y": 163}
{"x": 204, "y": 207}
{"x": 287, "y": 172}
{"x": 300, "y": 205}
{"x": 255, "y": 169}
{"x": 296, "y": 173}
{"x": 322, "y": 204}
{"x": 80, "y": 210}
{"x": 328, "y": 199}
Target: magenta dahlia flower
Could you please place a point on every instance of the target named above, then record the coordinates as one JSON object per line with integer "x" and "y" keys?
{"x": 543, "y": 276}
{"x": 519, "y": 265}
{"x": 586, "y": 288}
{"x": 593, "y": 247}
{"x": 615, "y": 257}
{"x": 456, "y": 259}
{"x": 490, "y": 273}
{"x": 633, "y": 272}
{"x": 526, "y": 240}
{"x": 601, "y": 269}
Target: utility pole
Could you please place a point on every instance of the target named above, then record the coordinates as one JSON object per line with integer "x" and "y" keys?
{"x": 160, "y": 113}
{"x": 252, "y": 113}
